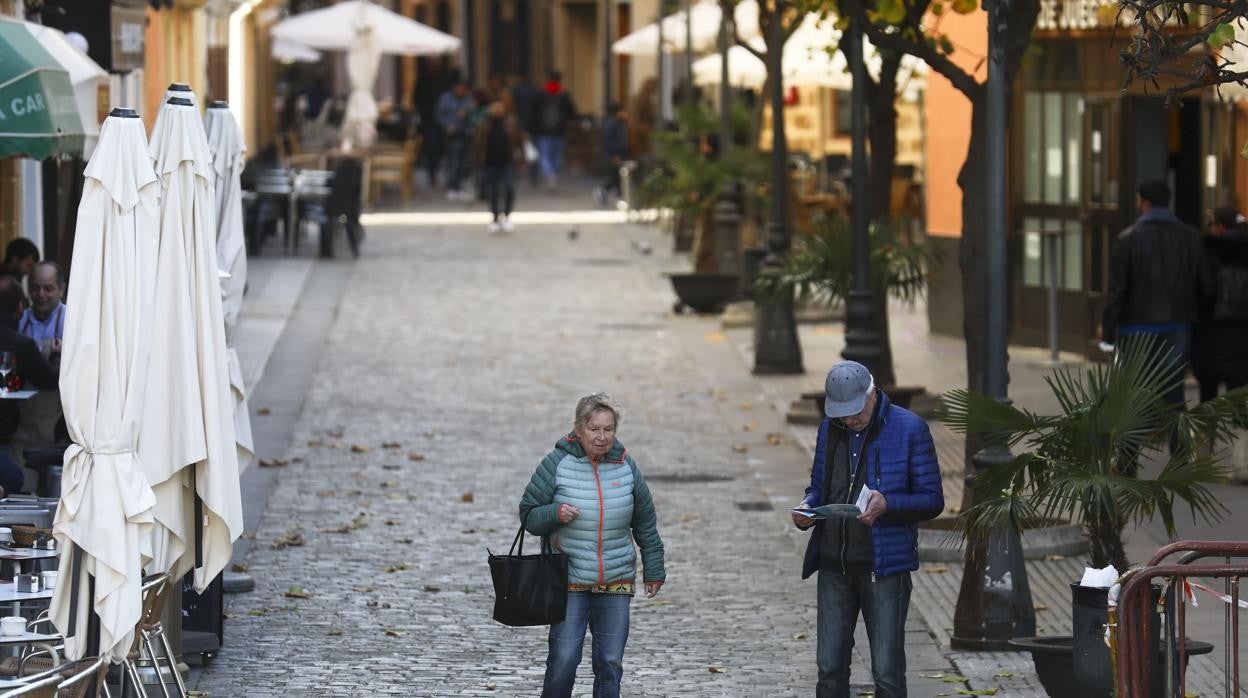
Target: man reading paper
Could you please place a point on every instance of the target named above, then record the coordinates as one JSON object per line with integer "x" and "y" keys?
{"x": 866, "y": 445}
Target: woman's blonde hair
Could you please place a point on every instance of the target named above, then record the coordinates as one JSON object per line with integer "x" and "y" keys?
{"x": 587, "y": 406}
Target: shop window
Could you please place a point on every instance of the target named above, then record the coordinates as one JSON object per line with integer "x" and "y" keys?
{"x": 843, "y": 109}
{"x": 1033, "y": 146}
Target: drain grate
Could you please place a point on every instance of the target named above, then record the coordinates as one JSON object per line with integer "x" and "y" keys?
{"x": 679, "y": 478}
{"x": 755, "y": 506}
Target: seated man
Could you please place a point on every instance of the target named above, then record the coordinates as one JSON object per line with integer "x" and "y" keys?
{"x": 44, "y": 320}
{"x": 34, "y": 370}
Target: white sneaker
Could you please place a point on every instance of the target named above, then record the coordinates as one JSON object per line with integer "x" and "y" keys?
{"x": 507, "y": 225}
{"x": 495, "y": 228}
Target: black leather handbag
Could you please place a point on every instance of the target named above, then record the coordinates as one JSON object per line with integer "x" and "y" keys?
{"x": 529, "y": 589}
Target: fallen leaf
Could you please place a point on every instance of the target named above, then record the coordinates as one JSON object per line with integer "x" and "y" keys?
{"x": 955, "y": 510}
{"x": 467, "y": 498}
{"x": 334, "y": 445}
{"x": 1054, "y": 558}
{"x": 415, "y": 457}
{"x": 248, "y": 535}
{"x": 717, "y": 669}
{"x": 719, "y": 395}
{"x": 740, "y": 448}
{"x": 934, "y": 570}
{"x": 490, "y": 685}
{"x": 775, "y": 439}
{"x": 263, "y": 411}
{"x": 297, "y": 592}
{"x": 297, "y": 459}
{"x": 749, "y": 426}
{"x": 391, "y": 444}
{"x": 932, "y": 676}
{"x": 977, "y": 692}
{"x": 390, "y": 466}
{"x": 387, "y": 484}
{"x": 432, "y": 589}
{"x": 291, "y": 539}
{"x": 334, "y": 632}
{"x": 273, "y": 462}
{"x": 800, "y": 636}
{"x": 196, "y": 694}
{"x": 1039, "y": 607}
{"x": 363, "y": 590}
{"x": 1004, "y": 675}
{"x": 315, "y": 443}
{"x": 403, "y": 541}
{"x": 954, "y": 679}
{"x": 394, "y": 633}
{"x": 398, "y": 567}
{"x": 688, "y": 518}
{"x": 335, "y": 434}
{"x": 359, "y": 448}
{"x": 746, "y": 405}
{"x": 716, "y": 337}
{"x": 238, "y": 567}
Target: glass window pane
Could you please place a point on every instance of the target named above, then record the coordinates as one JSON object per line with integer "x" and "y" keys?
{"x": 1072, "y": 256}
{"x": 1033, "y": 148}
{"x": 1032, "y": 254}
{"x": 1074, "y": 149}
{"x": 1054, "y": 156}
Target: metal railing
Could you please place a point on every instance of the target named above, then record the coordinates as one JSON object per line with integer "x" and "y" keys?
{"x": 1136, "y": 653}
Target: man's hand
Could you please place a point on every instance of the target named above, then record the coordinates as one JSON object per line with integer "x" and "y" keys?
{"x": 875, "y": 508}
{"x": 802, "y": 522}
{"x": 652, "y": 588}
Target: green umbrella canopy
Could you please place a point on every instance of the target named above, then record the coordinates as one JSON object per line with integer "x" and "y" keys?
{"x": 38, "y": 113}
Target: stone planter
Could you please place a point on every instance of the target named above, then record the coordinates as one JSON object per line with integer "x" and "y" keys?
{"x": 705, "y": 292}
{"x": 1053, "y": 657}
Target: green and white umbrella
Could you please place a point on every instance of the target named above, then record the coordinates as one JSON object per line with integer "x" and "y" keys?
{"x": 38, "y": 112}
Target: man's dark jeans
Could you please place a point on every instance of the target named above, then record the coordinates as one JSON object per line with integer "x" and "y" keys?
{"x": 1178, "y": 343}
{"x": 883, "y": 604}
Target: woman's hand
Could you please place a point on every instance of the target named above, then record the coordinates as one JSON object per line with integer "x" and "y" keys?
{"x": 567, "y": 512}
{"x": 652, "y": 588}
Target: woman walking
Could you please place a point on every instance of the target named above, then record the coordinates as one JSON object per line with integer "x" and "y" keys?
{"x": 497, "y": 148}
{"x": 591, "y": 499}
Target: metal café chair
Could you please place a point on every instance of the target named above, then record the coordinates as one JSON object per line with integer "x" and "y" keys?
{"x": 273, "y": 189}
{"x": 309, "y": 196}
{"x": 70, "y": 680}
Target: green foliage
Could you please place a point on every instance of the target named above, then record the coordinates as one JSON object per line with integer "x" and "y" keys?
{"x": 819, "y": 267}
{"x": 688, "y": 181}
{"x": 1222, "y": 35}
{"x": 1081, "y": 464}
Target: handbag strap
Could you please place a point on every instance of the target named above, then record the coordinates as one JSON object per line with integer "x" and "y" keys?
{"x": 517, "y": 543}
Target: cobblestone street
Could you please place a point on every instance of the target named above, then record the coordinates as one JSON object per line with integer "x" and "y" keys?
{"x": 452, "y": 366}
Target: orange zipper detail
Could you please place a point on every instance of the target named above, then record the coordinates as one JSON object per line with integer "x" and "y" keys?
{"x": 602, "y": 573}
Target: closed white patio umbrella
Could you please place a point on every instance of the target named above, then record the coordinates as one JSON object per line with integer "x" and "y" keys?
{"x": 104, "y": 522}
{"x": 175, "y": 89}
{"x": 365, "y": 31}
{"x": 225, "y": 142}
{"x": 186, "y": 441}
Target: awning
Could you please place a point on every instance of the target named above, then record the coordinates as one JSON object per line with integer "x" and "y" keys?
{"x": 85, "y": 74}
{"x": 703, "y": 20}
{"x": 38, "y": 113}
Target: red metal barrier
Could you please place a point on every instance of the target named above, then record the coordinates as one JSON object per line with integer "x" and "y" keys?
{"x": 1135, "y": 656}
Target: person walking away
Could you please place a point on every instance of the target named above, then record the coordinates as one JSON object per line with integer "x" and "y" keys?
{"x": 589, "y": 497}
{"x": 867, "y": 448}
{"x": 525, "y": 98}
{"x": 32, "y": 368}
{"x": 614, "y": 151}
{"x": 1156, "y": 282}
{"x": 1221, "y": 338}
{"x": 497, "y": 149}
{"x": 554, "y": 113}
{"x": 454, "y": 108}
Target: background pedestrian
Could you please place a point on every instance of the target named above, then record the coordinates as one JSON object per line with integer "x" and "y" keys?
{"x": 497, "y": 151}
{"x": 554, "y": 113}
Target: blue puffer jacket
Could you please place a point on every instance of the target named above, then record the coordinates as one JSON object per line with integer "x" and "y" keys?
{"x": 616, "y": 509}
{"x": 901, "y": 463}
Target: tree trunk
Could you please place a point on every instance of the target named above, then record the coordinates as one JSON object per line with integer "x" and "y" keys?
{"x": 882, "y": 134}
{"x": 1105, "y": 542}
{"x": 972, "y": 180}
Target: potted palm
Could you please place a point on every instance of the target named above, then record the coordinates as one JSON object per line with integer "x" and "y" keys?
{"x": 818, "y": 270}
{"x": 1084, "y": 465}
{"x": 691, "y": 177}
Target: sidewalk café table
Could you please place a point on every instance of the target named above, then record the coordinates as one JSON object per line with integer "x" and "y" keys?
{"x": 25, "y": 557}
{"x": 10, "y": 596}
{"x": 18, "y": 394}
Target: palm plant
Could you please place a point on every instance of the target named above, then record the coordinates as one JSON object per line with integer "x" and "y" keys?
{"x": 819, "y": 269}
{"x": 1083, "y": 463}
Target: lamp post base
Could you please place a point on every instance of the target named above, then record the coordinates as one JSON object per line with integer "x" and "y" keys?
{"x": 776, "y": 346}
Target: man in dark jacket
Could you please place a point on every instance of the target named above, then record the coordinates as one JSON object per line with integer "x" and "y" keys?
{"x": 34, "y": 370}
{"x": 881, "y": 457}
{"x": 1156, "y": 280}
{"x": 614, "y": 150}
{"x": 550, "y": 125}
{"x": 1220, "y": 340}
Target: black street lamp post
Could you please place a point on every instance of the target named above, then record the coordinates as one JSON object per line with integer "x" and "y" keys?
{"x": 726, "y": 217}
{"x": 862, "y": 342}
{"x": 776, "y": 346}
{"x": 994, "y": 603}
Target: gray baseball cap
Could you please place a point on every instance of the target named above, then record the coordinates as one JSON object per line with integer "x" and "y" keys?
{"x": 846, "y": 389}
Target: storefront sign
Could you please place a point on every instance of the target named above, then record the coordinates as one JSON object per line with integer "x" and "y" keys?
{"x": 129, "y": 25}
{"x": 1075, "y": 14}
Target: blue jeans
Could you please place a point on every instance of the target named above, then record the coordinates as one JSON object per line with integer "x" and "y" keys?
{"x": 456, "y": 162}
{"x": 883, "y": 604}
{"x": 607, "y": 618}
{"x": 550, "y": 155}
{"x": 500, "y": 189}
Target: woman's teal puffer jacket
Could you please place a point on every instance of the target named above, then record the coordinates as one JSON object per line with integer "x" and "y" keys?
{"x": 616, "y": 509}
